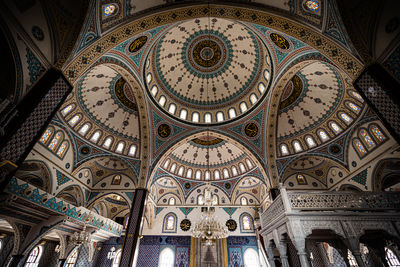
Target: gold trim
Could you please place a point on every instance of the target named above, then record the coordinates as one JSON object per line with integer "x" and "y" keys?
{"x": 224, "y": 253}
{"x": 193, "y": 252}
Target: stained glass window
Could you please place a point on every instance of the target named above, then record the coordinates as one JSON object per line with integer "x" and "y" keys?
{"x": 166, "y": 164}
{"x": 310, "y": 142}
{"x": 198, "y": 175}
{"x": 358, "y": 146}
{"x": 84, "y": 129}
{"x": 109, "y": 9}
{"x": 377, "y": 133}
{"x": 323, "y": 135}
{"x": 335, "y": 127}
{"x": 46, "y": 136}
{"x": 367, "y": 138}
{"x": 55, "y": 141}
{"x": 67, "y": 109}
{"x": 172, "y": 108}
{"x": 183, "y": 114}
{"x": 220, "y": 116}
{"x": 34, "y": 257}
{"x": 217, "y": 175}
{"x": 108, "y": 142}
{"x": 70, "y": 262}
{"x": 132, "y": 151}
{"x": 154, "y": 90}
{"x": 116, "y": 180}
{"x": 181, "y": 170}
{"x": 226, "y": 173}
{"x": 391, "y": 258}
{"x": 249, "y": 164}
{"x": 312, "y": 5}
{"x": 167, "y": 258}
{"x": 346, "y": 118}
{"x": 246, "y": 222}
{"x": 243, "y": 201}
{"x": 62, "y": 149}
{"x": 75, "y": 119}
{"x": 96, "y": 136}
{"x": 232, "y": 113}
{"x": 284, "y": 150}
{"x": 301, "y": 179}
{"x": 357, "y": 96}
{"x": 207, "y": 118}
{"x": 267, "y": 74}
{"x": 353, "y": 107}
{"x": 189, "y": 173}
{"x": 162, "y": 100}
{"x": 253, "y": 98}
{"x": 243, "y": 107}
{"x": 195, "y": 117}
{"x": 242, "y": 168}
{"x": 261, "y": 88}
{"x": 173, "y": 168}
{"x": 297, "y": 146}
{"x": 149, "y": 78}
{"x": 234, "y": 171}
{"x": 170, "y": 222}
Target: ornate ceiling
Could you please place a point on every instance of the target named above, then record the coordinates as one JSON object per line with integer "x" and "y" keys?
{"x": 208, "y": 70}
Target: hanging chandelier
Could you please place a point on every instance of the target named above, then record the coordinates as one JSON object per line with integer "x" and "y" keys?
{"x": 209, "y": 228}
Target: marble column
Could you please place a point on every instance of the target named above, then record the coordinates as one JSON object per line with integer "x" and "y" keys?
{"x": 132, "y": 231}
{"x": 270, "y": 254}
{"x": 300, "y": 245}
{"x": 354, "y": 246}
{"x": 282, "y": 247}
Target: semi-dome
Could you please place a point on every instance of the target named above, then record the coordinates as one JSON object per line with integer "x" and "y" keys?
{"x": 208, "y": 70}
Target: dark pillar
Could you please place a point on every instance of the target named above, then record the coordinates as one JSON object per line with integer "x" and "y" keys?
{"x": 381, "y": 91}
{"x": 133, "y": 229}
{"x": 61, "y": 262}
{"x": 15, "y": 260}
{"x": 22, "y": 125}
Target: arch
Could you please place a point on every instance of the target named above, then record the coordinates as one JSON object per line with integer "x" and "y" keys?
{"x": 47, "y": 135}
{"x": 62, "y": 150}
{"x": 167, "y": 258}
{"x": 386, "y": 174}
{"x": 36, "y": 173}
{"x": 56, "y": 140}
{"x": 250, "y": 258}
{"x": 359, "y": 148}
{"x": 169, "y": 223}
{"x": 246, "y": 223}
{"x": 34, "y": 257}
{"x": 72, "y": 194}
{"x": 96, "y": 136}
{"x": 366, "y": 138}
{"x": 377, "y": 133}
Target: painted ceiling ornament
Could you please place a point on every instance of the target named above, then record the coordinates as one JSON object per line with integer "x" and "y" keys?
{"x": 207, "y": 72}
{"x": 280, "y": 41}
{"x": 231, "y": 224}
{"x": 185, "y": 225}
{"x": 251, "y": 129}
{"x": 137, "y": 44}
{"x": 164, "y": 130}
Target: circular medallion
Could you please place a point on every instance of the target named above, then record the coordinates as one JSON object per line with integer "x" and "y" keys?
{"x": 37, "y": 33}
{"x": 280, "y": 41}
{"x": 125, "y": 95}
{"x": 231, "y": 224}
{"x": 137, "y": 44}
{"x": 207, "y": 54}
{"x": 251, "y": 129}
{"x": 227, "y": 185}
{"x": 187, "y": 185}
{"x": 185, "y": 225}
{"x": 85, "y": 150}
{"x": 164, "y": 130}
{"x": 334, "y": 149}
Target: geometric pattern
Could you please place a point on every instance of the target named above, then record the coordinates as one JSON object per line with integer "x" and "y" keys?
{"x": 361, "y": 178}
{"x": 182, "y": 257}
{"x": 61, "y": 178}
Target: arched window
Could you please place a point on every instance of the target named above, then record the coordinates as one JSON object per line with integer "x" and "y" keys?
{"x": 215, "y": 200}
{"x": 189, "y": 173}
{"x": 195, "y": 117}
{"x": 183, "y": 114}
{"x": 360, "y": 149}
{"x": 345, "y": 117}
{"x": 108, "y": 142}
{"x": 154, "y": 90}
{"x": 173, "y": 168}
{"x": 284, "y": 150}
{"x": 243, "y": 201}
{"x": 46, "y": 135}
{"x": 96, "y": 136}
{"x": 310, "y": 141}
{"x": 301, "y": 180}
{"x": 335, "y": 127}
{"x": 323, "y": 135}
{"x": 198, "y": 175}
{"x": 246, "y": 223}
{"x": 377, "y": 133}
{"x": 357, "y": 96}
{"x": 167, "y": 258}
{"x": 266, "y": 75}
{"x": 117, "y": 259}
{"x": 200, "y": 200}
{"x": 217, "y": 175}
{"x": 353, "y": 107}
{"x": 366, "y": 138}
{"x": 67, "y": 109}
{"x": 162, "y": 100}
{"x": 181, "y": 170}
{"x": 120, "y": 147}
{"x": 391, "y": 258}
{"x": 220, "y": 116}
{"x": 172, "y": 108}
{"x": 243, "y": 107}
{"x": 84, "y": 129}
{"x": 149, "y": 78}
{"x": 226, "y": 173}
{"x": 232, "y": 113}
{"x": 242, "y": 167}
{"x": 234, "y": 171}
{"x": 249, "y": 164}
{"x": 171, "y": 201}
{"x": 312, "y": 5}
{"x": 56, "y": 140}
{"x": 297, "y": 146}
{"x": 253, "y": 98}
{"x": 75, "y": 119}
{"x": 207, "y": 175}
{"x": 250, "y": 258}
{"x": 73, "y": 256}
{"x": 116, "y": 180}
{"x": 166, "y": 164}
{"x": 169, "y": 223}
{"x": 34, "y": 257}
{"x": 261, "y": 88}
{"x": 132, "y": 151}
{"x": 207, "y": 118}
{"x": 62, "y": 149}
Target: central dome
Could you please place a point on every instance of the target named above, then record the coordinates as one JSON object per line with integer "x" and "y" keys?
{"x": 208, "y": 70}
